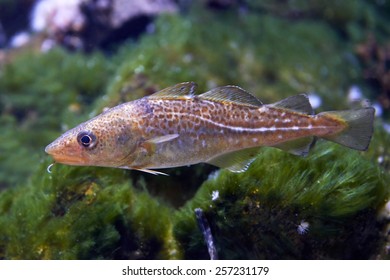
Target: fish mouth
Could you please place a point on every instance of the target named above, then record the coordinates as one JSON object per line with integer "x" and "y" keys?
{"x": 64, "y": 159}
{"x": 60, "y": 157}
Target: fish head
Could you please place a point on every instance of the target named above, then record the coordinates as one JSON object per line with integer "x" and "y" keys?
{"x": 105, "y": 140}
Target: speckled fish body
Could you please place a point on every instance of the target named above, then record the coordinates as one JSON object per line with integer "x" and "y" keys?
{"x": 225, "y": 127}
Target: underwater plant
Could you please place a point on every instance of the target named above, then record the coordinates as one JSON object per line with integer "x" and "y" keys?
{"x": 324, "y": 206}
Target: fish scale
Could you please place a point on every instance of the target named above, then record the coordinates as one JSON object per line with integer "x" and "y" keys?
{"x": 235, "y": 122}
{"x": 225, "y": 126}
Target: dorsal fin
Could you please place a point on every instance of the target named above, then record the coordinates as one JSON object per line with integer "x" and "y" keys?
{"x": 179, "y": 90}
{"x": 299, "y": 103}
{"x": 237, "y": 161}
{"x": 231, "y": 94}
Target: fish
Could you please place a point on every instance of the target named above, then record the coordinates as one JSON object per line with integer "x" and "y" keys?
{"x": 225, "y": 126}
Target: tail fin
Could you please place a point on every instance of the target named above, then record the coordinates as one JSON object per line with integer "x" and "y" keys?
{"x": 359, "y": 129}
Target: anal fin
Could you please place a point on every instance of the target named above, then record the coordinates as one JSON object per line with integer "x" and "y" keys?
{"x": 299, "y": 147}
{"x": 298, "y": 103}
{"x": 237, "y": 161}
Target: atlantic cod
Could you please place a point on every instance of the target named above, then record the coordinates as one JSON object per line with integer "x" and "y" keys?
{"x": 225, "y": 127}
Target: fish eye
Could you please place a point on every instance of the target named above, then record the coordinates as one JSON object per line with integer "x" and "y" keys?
{"x": 86, "y": 139}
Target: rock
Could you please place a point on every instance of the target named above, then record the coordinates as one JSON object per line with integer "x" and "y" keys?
{"x": 87, "y": 24}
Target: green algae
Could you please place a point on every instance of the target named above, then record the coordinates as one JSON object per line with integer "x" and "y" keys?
{"x": 98, "y": 216}
{"x": 100, "y": 213}
{"x": 342, "y": 15}
{"x": 257, "y": 213}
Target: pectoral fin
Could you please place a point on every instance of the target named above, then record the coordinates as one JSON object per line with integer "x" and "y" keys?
{"x": 237, "y": 161}
{"x": 162, "y": 139}
{"x": 150, "y": 144}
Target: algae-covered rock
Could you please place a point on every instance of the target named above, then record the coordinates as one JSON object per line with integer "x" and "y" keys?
{"x": 83, "y": 214}
{"x": 321, "y": 207}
